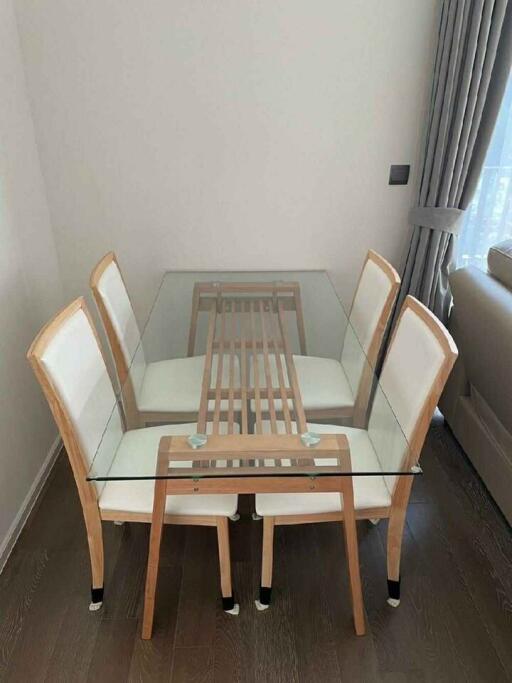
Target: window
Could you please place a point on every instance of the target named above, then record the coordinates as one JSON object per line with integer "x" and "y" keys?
{"x": 488, "y": 218}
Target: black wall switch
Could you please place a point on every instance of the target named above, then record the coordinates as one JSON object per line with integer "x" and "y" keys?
{"x": 399, "y": 175}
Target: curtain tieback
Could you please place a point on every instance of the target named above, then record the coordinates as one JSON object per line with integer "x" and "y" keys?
{"x": 437, "y": 218}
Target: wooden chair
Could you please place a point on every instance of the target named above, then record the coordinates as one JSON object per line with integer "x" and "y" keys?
{"x": 68, "y": 363}
{"x": 418, "y": 362}
{"x": 340, "y": 389}
{"x": 166, "y": 391}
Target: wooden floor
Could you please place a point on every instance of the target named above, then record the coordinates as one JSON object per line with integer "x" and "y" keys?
{"x": 454, "y": 622}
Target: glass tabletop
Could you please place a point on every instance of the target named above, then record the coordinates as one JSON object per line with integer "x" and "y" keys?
{"x": 259, "y": 373}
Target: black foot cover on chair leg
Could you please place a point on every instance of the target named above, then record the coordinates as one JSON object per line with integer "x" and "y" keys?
{"x": 264, "y": 601}
{"x": 96, "y": 599}
{"x": 230, "y": 606}
{"x": 394, "y": 593}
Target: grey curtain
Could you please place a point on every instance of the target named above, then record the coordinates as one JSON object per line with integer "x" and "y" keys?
{"x": 472, "y": 65}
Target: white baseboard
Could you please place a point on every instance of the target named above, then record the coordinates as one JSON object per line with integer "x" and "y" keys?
{"x": 20, "y": 520}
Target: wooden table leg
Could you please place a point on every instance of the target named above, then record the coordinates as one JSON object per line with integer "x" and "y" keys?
{"x": 352, "y": 550}
{"x": 157, "y": 523}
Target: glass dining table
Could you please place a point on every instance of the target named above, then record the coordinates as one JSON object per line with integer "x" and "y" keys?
{"x": 286, "y": 394}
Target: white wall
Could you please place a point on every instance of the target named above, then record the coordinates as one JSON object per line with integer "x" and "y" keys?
{"x": 232, "y": 134}
{"x": 30, "y": 287}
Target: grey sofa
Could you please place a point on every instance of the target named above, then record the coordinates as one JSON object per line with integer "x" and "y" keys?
{"x": 477, "y": 400}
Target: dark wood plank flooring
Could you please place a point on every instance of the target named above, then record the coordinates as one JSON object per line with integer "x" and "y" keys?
{"x": 454, "y": 622}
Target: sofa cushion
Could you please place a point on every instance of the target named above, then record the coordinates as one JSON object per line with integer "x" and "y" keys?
{"x": 482, "y": 319}
{"x": 499, "y": 262}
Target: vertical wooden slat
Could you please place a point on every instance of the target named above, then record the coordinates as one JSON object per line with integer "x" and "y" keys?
{"x": 268, "y": 374}
{"x": 256, "y": 378}
{"x": 300, "y": 416}
{"x": 231, "y": 418}
{"x": 220, "y": 363}
{"x": 243, "y": 373}
{"x": 207, "y": 372}
{"x": 280, "y": 373}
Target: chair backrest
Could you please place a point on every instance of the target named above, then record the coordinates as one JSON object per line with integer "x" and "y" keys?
{"x": 123, "y": 333}
{"x": 371, "y": 308}
{"x": 67, "y": 360}
{"x": 419, "y": 360}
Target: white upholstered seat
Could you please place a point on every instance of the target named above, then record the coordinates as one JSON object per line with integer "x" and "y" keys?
{"x": 136, "y": 455}
{"x": 369, "y": 492}
{"x": 323, "y": 382}
{"x": 168, "y": 386}
{"x": 175, "y": 385}
{"x": 331, "y": 384}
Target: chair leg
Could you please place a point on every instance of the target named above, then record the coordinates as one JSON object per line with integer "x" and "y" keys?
{"x": 267, "y": 558}
{"x": 352, "y": 553}
{"x": 228, "y": 603}
{"x": 395, "y": 534}
{"x": 95, "y": 542}
{"x": 155, "y": 539}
